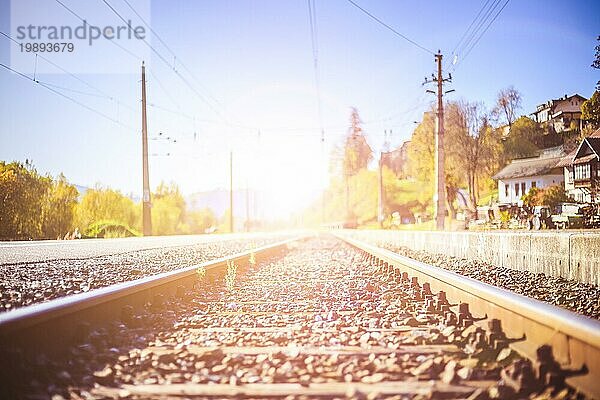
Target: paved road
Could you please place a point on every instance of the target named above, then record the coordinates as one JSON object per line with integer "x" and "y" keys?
{"x": 36, "y": 251}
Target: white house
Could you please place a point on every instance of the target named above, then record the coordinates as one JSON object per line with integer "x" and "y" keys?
{"x": 518, "y": 177}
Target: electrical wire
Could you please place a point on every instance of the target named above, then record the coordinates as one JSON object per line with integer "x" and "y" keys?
{"x": 390, "y": 28}
{"x": 482, "y": 24}
{"x": 171, "y": 66}
{"x": 111, "y": 41}
{"x": 312, "y": 17}
{"x": 100, "y": 91}
{"x": 485, "y": 30}
{"x": 51, "y": 89}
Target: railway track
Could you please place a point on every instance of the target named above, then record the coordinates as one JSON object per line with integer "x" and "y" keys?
{"x": 315, "y": 317}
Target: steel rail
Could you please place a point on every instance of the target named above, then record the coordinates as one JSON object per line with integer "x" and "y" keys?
{"x": 575, "y": 339}
{"x": 53, "y": 324}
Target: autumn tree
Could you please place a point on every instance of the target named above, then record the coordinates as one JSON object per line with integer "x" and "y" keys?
{"x": 168, "y": 210}
{"x": 479, "y": 144}
{"x": 596, "y": 62}
{"x": 590, "y": 110}
{"x": 508, "y": 104}
{"x": 22, "y": 195}
{"x": 357, "y": 152}
{"x": 550, "y": 196}
{"x": 104, "y": 204}
{"x": 421, "y": 152}
{"x": 522, "y": 139}
{"x": 199, "y": 221}
{"x": 59, "y": 209}
{"x": 356, "y": 157}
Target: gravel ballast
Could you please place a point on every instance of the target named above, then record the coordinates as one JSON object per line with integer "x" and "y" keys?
{"x": 23, "y": 284}
{"x": 575, "y": 296}
{"x": 322, "y": 321}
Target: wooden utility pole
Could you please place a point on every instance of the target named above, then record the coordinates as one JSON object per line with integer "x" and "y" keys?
{"x": 146, "y": 201}
{"x": 440, "y": 178}
{"x": 231, "y": 191}
{"x": 247, "y": 207}
{"x": 439, "y": 194}
{"x": 381, "y": 191}
{"x": 380, "y": 196}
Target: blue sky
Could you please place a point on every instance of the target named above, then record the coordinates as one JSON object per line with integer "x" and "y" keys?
{"x": 252, "y": 60}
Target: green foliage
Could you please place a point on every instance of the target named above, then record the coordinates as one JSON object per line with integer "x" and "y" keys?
{"x": 590, "y": 110}
{"x": 34, "y": 206}
{"x": 200, "y": 221}
{"x": 110, "y": 229}
{"x": 59, "y": 208}
{"x": 39, "y": 207}
{"x": 104, "y": 204}
{"x": 22, "y": 195}
{"x": 420, "y": 150}
{"x": 521, "y": 141}
{"x": 549, "y": 196}
{"x": 168, "y": 210}
{"x": 533, "y": 197}
{"x": 224, "y": 221}
{"x": 553, "y": 195}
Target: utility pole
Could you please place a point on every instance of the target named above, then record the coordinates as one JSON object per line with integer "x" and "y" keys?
{"x": 146, "y": 201}
{"x": 381, "y": 201}
{"x": 439, "y": 194}
{"x": 380, "y": 197}
{"x": 231, "y": 191}
{"x": 247, "y": 207}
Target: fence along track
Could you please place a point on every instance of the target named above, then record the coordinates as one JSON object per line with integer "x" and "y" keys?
{"x": 575, "y": 340}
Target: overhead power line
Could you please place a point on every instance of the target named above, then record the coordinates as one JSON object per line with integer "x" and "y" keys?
{"x": 485, "y": 30}
{"x": 170, "y": 65}
{"x": 390, "y": 28}
{"x": 462, "y": 38}
{"x": 86, "y": 83}
{"x": 312, "y": 17}
{"x": 175, "y": 57}
{"x": 63, "y": 5}
{"x": 51, "y": 89}
{"x": 478, "y": 27}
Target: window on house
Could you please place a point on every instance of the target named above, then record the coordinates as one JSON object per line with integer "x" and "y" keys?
{"x": 516, "y": 190}
{"x": 506, "y": 190}
{"x": 582, "y": 171}
{"x": 533, "y": 184}
{"x": 523, "y": 188}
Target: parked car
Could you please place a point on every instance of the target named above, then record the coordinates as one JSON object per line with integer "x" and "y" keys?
{"x": 568, "y": 215}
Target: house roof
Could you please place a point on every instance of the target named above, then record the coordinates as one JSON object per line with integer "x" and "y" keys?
{"x": 528, "y": 167}
{"x": 552, "y": 102}
{"x": 593, "y": 141}
{"x": 584, "y": 159}
{"x": 568, "y": 159}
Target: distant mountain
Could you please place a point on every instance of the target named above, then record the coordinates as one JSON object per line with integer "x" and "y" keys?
{"x": 81, "y": 190}
{"x": 218, "y": 201}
